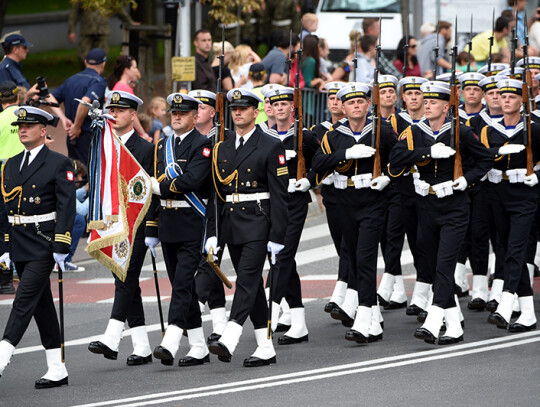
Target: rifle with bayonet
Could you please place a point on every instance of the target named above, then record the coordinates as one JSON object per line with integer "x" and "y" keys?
{"x": 376, "y": 112}
{"x": 488, "y": 73}
{"x": 355, "y": 59}
{"x": 298, "y": 120}
{"x": 528, "y": 100}
{"x": 289, "y": 61}
{"x": 470, "y": 48}
{"x": 436, "y": 52}
{"x": 513, "y": 48}
{"x": 406, "y": 50}
{"x": 454, "y": 112}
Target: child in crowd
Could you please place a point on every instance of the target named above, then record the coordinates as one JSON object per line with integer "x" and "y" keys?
{"x": 462, "y": 60}
{"x": 157, "y": 110}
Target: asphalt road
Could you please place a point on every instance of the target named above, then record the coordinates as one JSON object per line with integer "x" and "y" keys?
{"x": 490, "y": 368}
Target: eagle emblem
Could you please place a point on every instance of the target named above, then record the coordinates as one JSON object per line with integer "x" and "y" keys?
{"x": 237, "y": 95}
{"x": 115, "y": 97}
{"x": 177, "y": 98}
{"x": 22, "y": 113}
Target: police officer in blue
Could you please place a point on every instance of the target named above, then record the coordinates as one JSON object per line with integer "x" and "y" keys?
{"x": 15, "y": 49}
{"x": 87, "y": 85}
{"x": 39, "y": 193}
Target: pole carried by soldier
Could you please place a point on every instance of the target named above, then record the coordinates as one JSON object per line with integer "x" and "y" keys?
{"x": 453, "y": 114}
{"x": 469, "y": 43}
{"x": 488, "y": 73}
{"x": 405, "y": 49}
{"x": 436, "y": 52}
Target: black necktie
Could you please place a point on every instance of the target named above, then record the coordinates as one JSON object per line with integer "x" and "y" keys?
{"x": 25, "y": 161}
{"x": 240, "y": 145}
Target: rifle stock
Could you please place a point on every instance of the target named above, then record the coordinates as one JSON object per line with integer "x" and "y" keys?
{"x": 528, "y": 101}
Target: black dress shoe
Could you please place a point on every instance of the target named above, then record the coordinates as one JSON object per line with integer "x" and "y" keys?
{"x": 191, "y": 361}
{"x": 515, "y": 328}
{"x": 47, "y": 384}
{"x": 354, "y": 335}
{"x": 426, "y": 335}
{"x": 101, "y": 349}
{"x": 382, "y": 301}
{"x": 395, "y": 305}
{"x": 448, "y": 340}
{"x": 496, "y": 319}
{"x": 413, "y": 310}
{"x": 136, "y": 360}
{"x": 213, "y": 337}
{"x": 421, "y": 316}
{"x": 329, "y": 307}
{"x": 223, "y": 354}
{"x": 256, "y": 362}
{"x": 374, "y": 338}
{"x": 492, "y": 305}
{"x": 340, "y": 315}
{"x": 476, "y": 304}
{"x": 164, "y": 355}
{"x": 289, "y": 340}
{"x": 282, "y": 328}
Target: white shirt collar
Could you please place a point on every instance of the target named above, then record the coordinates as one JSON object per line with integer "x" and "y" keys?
{"x": 182, "y": 136}
{"x": 33, "y": 153}
{"x": 246, "y": 137}
{"x": 125, "y": 137}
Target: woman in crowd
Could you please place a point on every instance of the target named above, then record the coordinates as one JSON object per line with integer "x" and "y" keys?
{"x": 413, "y": 67}
{"x": 343, "y": 71}
{"x": 242, "y": 58}
{"x": 227, "y": 81}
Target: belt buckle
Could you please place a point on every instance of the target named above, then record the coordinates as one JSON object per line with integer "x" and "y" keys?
{"x": 236, "y": 197}
{"x": 168, "y": 203}
{"x": 16, "y": 219}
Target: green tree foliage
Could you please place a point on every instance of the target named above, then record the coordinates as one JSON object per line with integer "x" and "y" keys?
{"x": 225, "y": 11}
{"x": 106, "y": 7}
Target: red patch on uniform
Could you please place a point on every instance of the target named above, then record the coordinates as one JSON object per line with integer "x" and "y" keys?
{"x": 282, "y": 159}
{"x": 69, "y": 176}
{"x": 206, "y": 152}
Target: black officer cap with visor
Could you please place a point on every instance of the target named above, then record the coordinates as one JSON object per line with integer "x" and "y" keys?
{"x": 182, "y": 103}
{"x": 122, "y": 100}
{"x": 31, "y": 115}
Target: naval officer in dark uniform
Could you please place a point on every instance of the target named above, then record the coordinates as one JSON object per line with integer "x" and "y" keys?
{"x": 39, "y": 193}
{"x": 127, "y": 303}
{"x": 182, "y": 183}
{"x": 251, "y": 176}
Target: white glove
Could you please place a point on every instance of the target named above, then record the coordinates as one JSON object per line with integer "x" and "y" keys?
{"x": 211, "y": 243}
{"x": 511, "y": 149}
{"x": 151, "y": 243}
{"x": 274, "y": 249}
{"x": 302, "y": 185}
{"x": 5, "y": 259}
{"x": 60, "y": 258}
{"x": 155, "y": 187}
{"x": 530, "y": 180}
{"x": 289, "y": 154}
{"x": 359, "y": 151}
{"x": 379, "y": 183}
{"x": 460, "y": 184}
{"x": 441, "y": 150}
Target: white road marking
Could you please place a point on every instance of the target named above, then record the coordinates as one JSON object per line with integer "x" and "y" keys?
{"x": 327, "y": 372}
{"x": 145, "y": 299}
{"x": 106, "y": 280}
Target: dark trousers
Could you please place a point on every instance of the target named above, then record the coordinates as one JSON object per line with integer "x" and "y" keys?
{"x": 362, "y": 228}
{"x": 409, "y": 217}
{"x": 181, "y": 260}
{"x": 476, "y": 244}
{"x": 439, "y": 235}
{"x": 209, "y": 286}
{"x": 34, "y": 299}
{"x": 249, "y": 298}
{"x": 286, "y": 279}
{"x": 513, "y": 222}
{"x": 393, "y": 235}
{"x": 127, "y": 303}
{"x": 80, "y": 149}
{"x": 333, "y": 215}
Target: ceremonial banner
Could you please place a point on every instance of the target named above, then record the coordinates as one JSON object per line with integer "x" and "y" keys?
{"x": 120, "y": 194}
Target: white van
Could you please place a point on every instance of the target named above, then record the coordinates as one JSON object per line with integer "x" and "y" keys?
{"x": 337, "y": 18}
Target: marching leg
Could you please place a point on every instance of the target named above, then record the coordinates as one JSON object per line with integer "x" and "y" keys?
{"x": 224, "y": 348}
{"x": 385, "y": 288}
{"x": 264, "y": 354}
{"x": 109, "y": 342}
{"x": 399, "y": 297}
{"x": 454, "y": 330}
{"x": 527, "y": 320}
{"x": 495, "y": 294}
{"x": 219, "y": 321}
{"x": 198, "y": 353}
{"x": 501, "y": 317}
{"x": 57, "y": 374}
{"x": 460, "y": 277}
{"x": 298, "y": 332}
{"x": 346, "y": 312}
{"x": 338, "y": 296}
{"x": 284, "y": 322}
{"x": 479, "y": 293}
{"x": 360, "y": 329}
{"x": 419, "y": 299}
{"x": 170, "y": 343}
{"x": 142, "y": 353}
{"x": 429, "y": 331}
{"x": 6, "y": 352}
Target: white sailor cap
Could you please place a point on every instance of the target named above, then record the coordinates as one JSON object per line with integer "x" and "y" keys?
{"x": 436, "y": 90}
{"x": 31, "y": 115}
{"x": 279, "y": 94}
{"x": 518, "y": 72}
{"x": 445, "y": 77}
{"x": 470, "y": 79}
{"x": 508, "y": 85}
{"x": 204, "y": 96}
{"x": 489, "y": 83}
{"x": 387, "y": 81}
{"x": 534, "y": 62}
{"x": 354, "y": 90}
{"x": 334, "y": 87}
{"x": 243, "y": 98}
{"x": 123, "y": 100}
{"x": 411, "y": 82}
{"x": 495, "y": 68}
{"x": 181, "y": 102}
{"x": 269, "y": 87}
